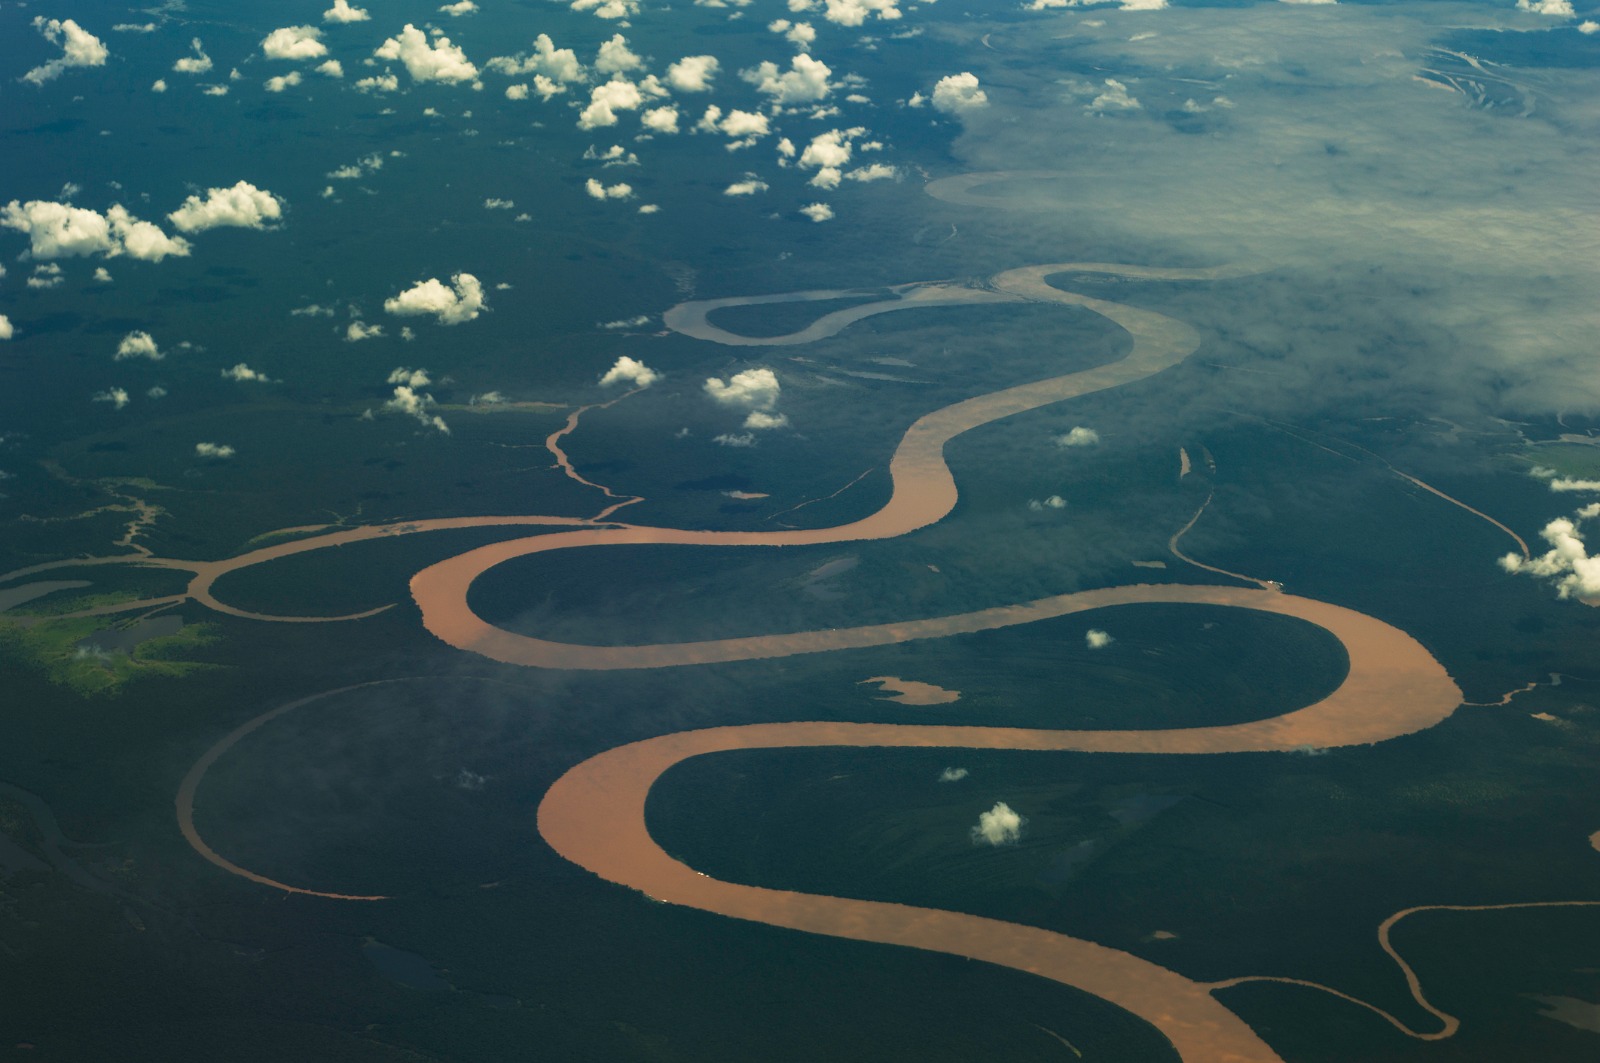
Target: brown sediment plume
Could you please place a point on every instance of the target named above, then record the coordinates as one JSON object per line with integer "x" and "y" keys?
{"x": 552, "y": 443}
{"x": 594, "y": 816}
{"x": 1172, "y": 544}
{"x": 911, "y": 692}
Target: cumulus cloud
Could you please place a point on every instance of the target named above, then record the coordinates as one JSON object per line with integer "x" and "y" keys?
{"x": 631, "y": 371}
{"x": 244, "y": 374}
{"x": 878, "y": 171}
{"x": 761, "y": 421}
{"x": 606, "y": 100}
{"x": 158, "y": 85}
{"x": 1078, "y": 437}
{"x": 198, "y": 63}
{"x": 607, "y": 9}
{"x": 117, "y": 397}
{"x": 214, "y": 451}
{"x": 138, "y": 344}
{"x": 558, "y": 65}
{"x": 294, "y": 42}
{"x": 459, "y": 8}
{"x": 800, "y": 34}
{"x": 693, "y": 73}
{"x": 1575, "y": 573}
{"x": 1040, "y": 505}
{"x": 817, "y": 212}
{"x": 730, "y": 439}
{"x": 461, "y": 300}
{"x": 412, "y": 402}
{"x": 998, "y": 826}
{"x": 1555, "y": 8}
{"x": 378, "y": 83}
{"x": 60, "y": 230}
{"x": 359, "y": 330}
{"x": 243, "y": 206}
{"x": 1096, "y": 639}
{"x": 855, "y": 12}
{"x": 597, "y": 190}
{"x": 332, "y": 68}
{"x": 959, "y": 94}
{"x": 7, "y": 330}
{"x": 45, "y": 276}
{"x": 341, "y": 11}
{"x": 615, "y": 57}
{"x": 663, "y": 120}
{"x": 283, "y": 81}
{"x": 615, "y": 155}
{"x": 748, "y": 187}
{"x": 953, "y": 774}
{"x": 751, "y": 389}
{"x": 436, "y": 61}
{"x": 806, "y": 80}
{"x": 1114, "y": 98}
{"x": 79, "y": 48}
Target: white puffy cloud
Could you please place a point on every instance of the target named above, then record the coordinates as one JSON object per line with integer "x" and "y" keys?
{"x": 878, "y": 171}
{"x": 60, "y": 230}
{"x": 214, "y": 451}
{"x": 102, "y": 275}
{"x": 806, "y": 80}
{"x": 958, "y": 94}
{"x": 761, "y": 421}
{"x": 1096, "y": 639}
{"x": 817, "y": 212}
{"x": 283, "y": 81}
{"x": 46, "y": 275}
{"x": 408, "y": 400}
{"x": 1114, "y": 98}
{"x": 606, "y": 100}
{"x": 855, "y": 12}
{"x": 214, "y": 90}
{"x": 1041, "y": 505}
{"x": 615, "y": 155}
{"x": 751, "y": 389}
{"x": 827, "y": 150}
{"x": 1555, "y": 8}
{"x": 117, "y": 397}
{"x": 615, "y": 57}
{"x": 331, "y": 68}
{"x": 1588, "y": 27}
{"x": 953, "y": 774}
{"x": 800, "y": 34}
{"x": 411, "y": 378}
{"x": 607, "y": 9}
{"x": 198, "y": 63}
{"x": 451, "y": 305}
{"x": 7, "y": 330}
{"x": 378, "y": 83}
{"x": 559, "y": 65}
{"x": 138, "y": 344}
{"x": 245, "y": 375}
{"x": 436, "y": 61}
{"x": 499, "y": 204}
{"x": 158, "y": 85}
{"x": 516, "y": 92}
{"x": 1575, "y": 572}
{"x": 244, "y": 206}
{"x": 359, "y": 330}
{"x": 744, "y": 125}
{"x": 625, "y": 323}
{"x": 629, "y": 370}
{"x": 459, "y": 8}
{"x": 134, "y": 27}
{"x": 597, "y": 190}
{"x": 294, "y": 42}
{"x": 79, "y": 47}
{"x": 693, "y": 73}
{"x": 341, "y": 11}
{"x": 1078, "y": 437}
{"x": 731, "y": 439}
{"x": 663, "y": 120}
{"x": 748, "y": 187}
{"x": 998, "y": 826}
{"x": 649, "y": 208}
